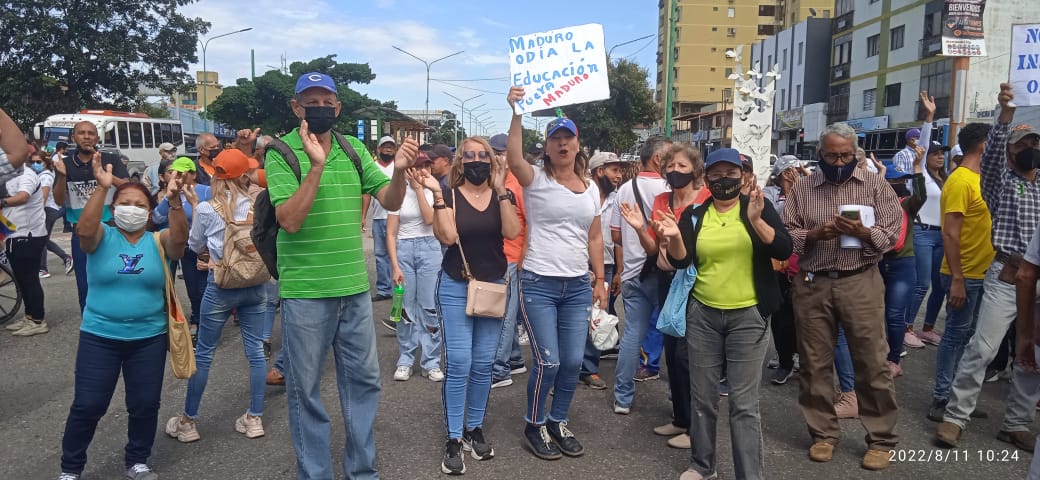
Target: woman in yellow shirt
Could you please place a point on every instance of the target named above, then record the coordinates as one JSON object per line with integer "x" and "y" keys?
{"x": 731, "y": 239}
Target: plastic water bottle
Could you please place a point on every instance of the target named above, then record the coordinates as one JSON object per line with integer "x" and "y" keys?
{"x": 398, "y": 307}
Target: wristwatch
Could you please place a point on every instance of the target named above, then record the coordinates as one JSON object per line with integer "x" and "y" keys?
{"x": 506, "y": 196}
{"x": 439, "y": 206}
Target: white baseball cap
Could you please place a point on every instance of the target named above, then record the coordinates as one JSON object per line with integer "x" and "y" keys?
{"x": 167, "y": 146}
{"x": 956, "y": 151}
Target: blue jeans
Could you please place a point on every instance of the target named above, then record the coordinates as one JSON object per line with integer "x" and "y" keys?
{"x": 384, "y": 282}
{"x": 556, "y": 314}
{"x": 310, "y": 327}
{"x": 590, "y": 362}
{"x": 843, "y": 363}
{"x": 419, "y": 260}
{"x": 271, "y": 287}
{"x": 899, "y": 275}
{"x": 217, "y": 303}
{"x": 960, "y": 326}
{"x": 641, "y": 309}
{"x": 98, "y": 363}
{"x": 79, "y": 264}
{"x": 195, "y": 281}
{"x": 469, "y": 352}
{"x": 928, "y": 255}
{"x": 508, "y": 354}
{"x": 652, "y": 347}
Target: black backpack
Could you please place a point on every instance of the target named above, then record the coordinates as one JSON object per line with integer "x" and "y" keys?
{"x": 265, "y": 222}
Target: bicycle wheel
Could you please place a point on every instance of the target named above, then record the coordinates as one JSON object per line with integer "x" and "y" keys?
{"x": 10, "y": 294}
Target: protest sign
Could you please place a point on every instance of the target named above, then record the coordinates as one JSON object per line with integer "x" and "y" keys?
{"x": 962, "y": 32}
{"x": 1024, "y": 74}
{"x": 559, "y": 67}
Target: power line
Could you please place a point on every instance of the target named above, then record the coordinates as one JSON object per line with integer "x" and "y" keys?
{"x": 647, "y": 44}
{"x": 470, "y": 79}
{"x": 465, "y": 87}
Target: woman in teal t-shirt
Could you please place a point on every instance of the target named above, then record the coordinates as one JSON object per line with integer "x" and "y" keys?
{"x": 124, "y": 321}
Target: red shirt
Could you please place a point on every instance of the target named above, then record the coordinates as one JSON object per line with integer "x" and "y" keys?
{"x": 514, "y": 248}
{"x": 661, "y": 205}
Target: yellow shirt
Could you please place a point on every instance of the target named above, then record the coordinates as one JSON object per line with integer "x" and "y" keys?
{"x": 725, "y": 279}
{"x": 962, "y": 194}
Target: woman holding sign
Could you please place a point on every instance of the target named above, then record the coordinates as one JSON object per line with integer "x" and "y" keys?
{"x": 556, "y": 290}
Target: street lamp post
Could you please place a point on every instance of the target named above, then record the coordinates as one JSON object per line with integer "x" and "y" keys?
{"x": 205, "y": 122}
{"x": 484, "y": 116}
{"x": 644, "y": 37}
{"x": 462, "y": 106}
{"x": 426, "y": 112}
{"x": 472, "y": 113}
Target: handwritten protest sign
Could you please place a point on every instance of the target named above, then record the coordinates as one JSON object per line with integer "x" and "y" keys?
{"x": 559, "y": 67}
{"x": 962, "y": 32}
{"x": 1024, "y": 74}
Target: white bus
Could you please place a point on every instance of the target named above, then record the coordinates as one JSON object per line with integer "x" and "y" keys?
{"x": 135, "y": 135}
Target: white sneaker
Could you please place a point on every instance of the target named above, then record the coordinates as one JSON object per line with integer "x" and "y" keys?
{"x": 434, "y": 374}
{"x": 183, "y": 432}
{"x": 403, "y": 373}
{"x": 252, "y": 427}
{"x": 32, "y": 328}
{"x": 141, "y": 471}
{"x": 505, "y": 382}
{"x": 618, "y": 409}
{"x": 18, "y": 324}
{"x": 523, "y": 337}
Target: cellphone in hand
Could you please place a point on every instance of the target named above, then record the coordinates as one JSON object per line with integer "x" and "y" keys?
{"x": 850, "y": 214}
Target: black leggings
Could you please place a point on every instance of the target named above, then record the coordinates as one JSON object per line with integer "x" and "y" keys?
{"x": 782, "y": 325}
{"x": 52, "y": 217}
{"x": 677, "y": 361}
{"x": 24, "y": 255}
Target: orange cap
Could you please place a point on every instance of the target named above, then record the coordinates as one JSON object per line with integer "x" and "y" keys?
{"x": 232, "y": 163}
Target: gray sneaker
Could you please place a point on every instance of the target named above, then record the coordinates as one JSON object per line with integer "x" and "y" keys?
{"x": 141, "y": 471}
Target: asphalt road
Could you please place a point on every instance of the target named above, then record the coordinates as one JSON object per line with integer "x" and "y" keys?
{"x": 36, "y": 388}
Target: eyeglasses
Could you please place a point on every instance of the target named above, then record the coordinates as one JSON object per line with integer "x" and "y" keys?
{"x": 831, "y": 156}
{"x": 469, "y": 156}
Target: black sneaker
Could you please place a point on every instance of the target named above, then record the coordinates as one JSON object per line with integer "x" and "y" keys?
{"x": 937, "y": 409}
{"x": 781, "y": 376}
{"x": 453, "y": 463}
{"x": 389, "y": 324}
{"x": 538, "y": 441}
{"x": 473, "y": 442}
{"x": 609, "y": 354}
{"x": 267, "y": 351}
{"x": 565, "y": 439}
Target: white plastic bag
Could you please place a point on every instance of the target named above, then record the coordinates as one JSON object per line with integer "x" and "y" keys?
{"x": 602, "y": 328}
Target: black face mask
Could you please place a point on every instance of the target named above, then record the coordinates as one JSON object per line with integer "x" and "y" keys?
{"x": 476, "y": 172}
{"x": 901, "y": 189}
{"x": 725, "y": 188}
{"x": 678, "y": 180}
{"x": 386, "y": 157}
{"x": 319, "y": 119}
{"x": 838, "y": 174}
{"x": 605, "y": 185}
{"x": 213, "y": 152}
{"x": 1028, "y": 159}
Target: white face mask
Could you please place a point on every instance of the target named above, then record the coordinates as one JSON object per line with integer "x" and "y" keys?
{"x": 130, "y": 218}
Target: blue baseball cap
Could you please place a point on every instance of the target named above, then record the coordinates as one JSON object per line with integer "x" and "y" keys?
{"x": 315, "y": 79}
{"x": 561, "y": 123}
{"x": 498, "y": 142}
{"x": 892, "y": 172}
{"x": 913, "y": 133}
{"x": 724, "y": 155}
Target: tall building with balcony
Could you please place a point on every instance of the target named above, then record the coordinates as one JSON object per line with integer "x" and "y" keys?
{"x": 705, "y": 31}
{"x": 883, "y": 52}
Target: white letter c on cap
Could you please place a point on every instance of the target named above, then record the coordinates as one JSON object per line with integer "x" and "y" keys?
{"x": 314, "y": 77}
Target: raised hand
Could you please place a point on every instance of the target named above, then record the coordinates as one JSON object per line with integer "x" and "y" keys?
{"x": 191, "y": 195}
{"x": 634, "y": 218}
{"x": 102, "y": 173}
{"x": 406, "y": 154}
{"x": 665, "y": 226}
{"x": 247, "y": 136}
{"x": 315, "y": 152}
{"x": 1005, "y": 97}
{"x": 928, "y": 103}
{"x": 756, "y": 203}
{"x": 515, "y": 95}
{"x": 498, "y": 172}
{"x": 173, "y": 189}
{"x": 919, "y": 153}
{"x": 429, "y": 182}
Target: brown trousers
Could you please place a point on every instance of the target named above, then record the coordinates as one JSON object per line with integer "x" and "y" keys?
{"x": 858, "y": 303}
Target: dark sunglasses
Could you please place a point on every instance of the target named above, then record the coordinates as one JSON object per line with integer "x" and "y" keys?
{"x": 34, "y": 162}
{"x": 469, "y": 156}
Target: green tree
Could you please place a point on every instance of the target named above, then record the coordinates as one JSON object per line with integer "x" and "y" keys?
{"x": 445, "y": 132}
{"x": 532, "y": 136}
{"x": 607, "y": 124}
{"x": 264, "y": 102}
{"x": 62, "y": 55}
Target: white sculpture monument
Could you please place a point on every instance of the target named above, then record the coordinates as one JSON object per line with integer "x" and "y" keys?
{"x": 753, "y": 113}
